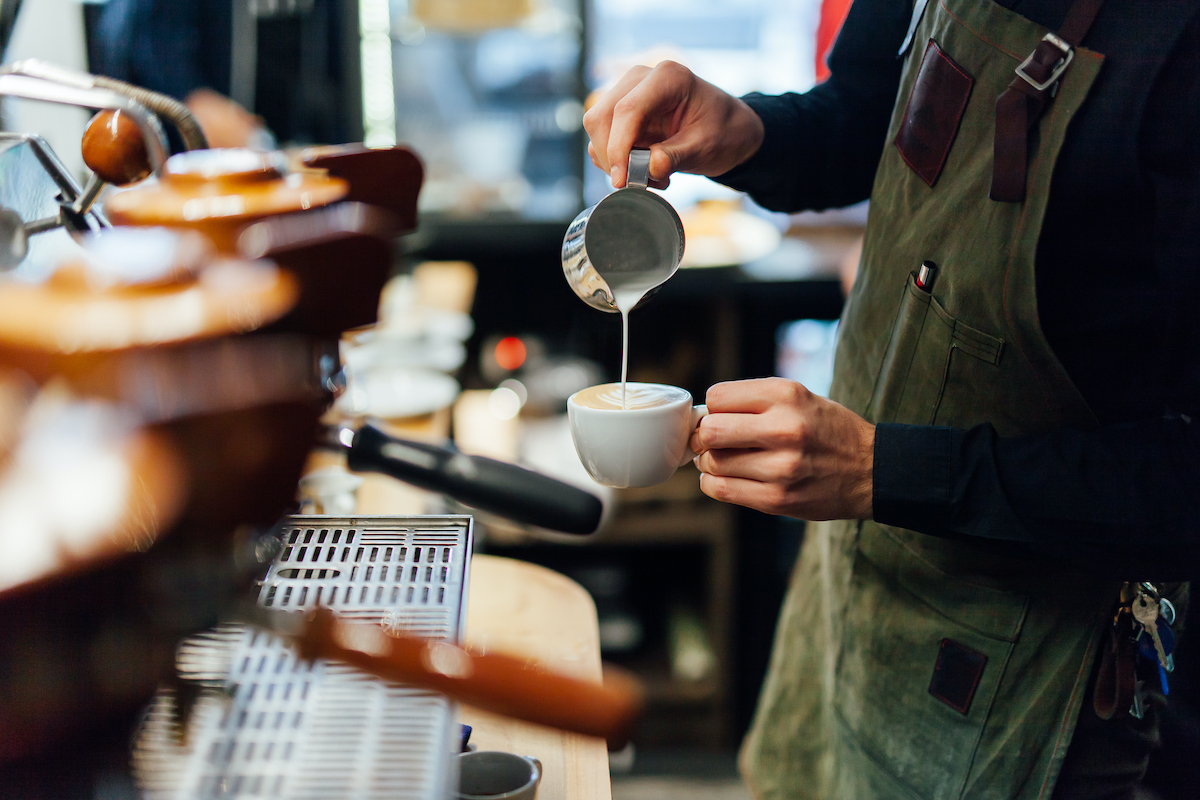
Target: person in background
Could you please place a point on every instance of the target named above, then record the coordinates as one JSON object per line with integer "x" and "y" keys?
{"x": 1009, "y": 466}
{"x": 181, "y": 49}
{"x": 185, "y": 49}
{"x": 225, "y": 122}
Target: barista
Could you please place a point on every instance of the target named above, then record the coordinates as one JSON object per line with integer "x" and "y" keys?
{"x": 1010, "y": 436}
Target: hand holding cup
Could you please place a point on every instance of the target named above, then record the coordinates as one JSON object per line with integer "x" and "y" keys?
{"x": 772, "y": 445}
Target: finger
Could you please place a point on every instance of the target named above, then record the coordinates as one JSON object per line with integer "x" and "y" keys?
{"x": 726, "y": 431}
{"x": 743, "y": 492}
{"x": 768, "y": 466}
{"x": 753, "y": 396}
{"x": 598, "y": 119}
{"x": 659, "y": 92}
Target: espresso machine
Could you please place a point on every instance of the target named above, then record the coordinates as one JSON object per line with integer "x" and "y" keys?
{"x": 165, "y": 363}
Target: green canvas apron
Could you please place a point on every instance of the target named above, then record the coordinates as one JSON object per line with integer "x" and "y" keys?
{"x": 847, "y": 710}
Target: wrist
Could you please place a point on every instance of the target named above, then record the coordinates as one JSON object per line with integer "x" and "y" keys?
{"x": 865, "y": 494}
{"x": 751, "y": 131}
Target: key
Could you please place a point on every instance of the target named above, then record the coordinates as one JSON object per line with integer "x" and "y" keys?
{"x": 1145, "y": 648}
{"x": 1145, "y": 611}
{"x": 1165, "y": 635}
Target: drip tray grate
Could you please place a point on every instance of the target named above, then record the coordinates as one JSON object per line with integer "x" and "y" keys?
{"x": 269, "y": 725}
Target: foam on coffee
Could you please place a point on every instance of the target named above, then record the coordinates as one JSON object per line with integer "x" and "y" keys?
{"x": 608, "y": 396}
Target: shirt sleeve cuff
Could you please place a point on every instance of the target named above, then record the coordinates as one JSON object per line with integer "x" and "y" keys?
{"x": 912, "y": 476}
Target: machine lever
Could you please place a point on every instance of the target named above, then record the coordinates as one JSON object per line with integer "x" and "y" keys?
{"x": 495, "y": 682}
{"x": 489, "y": 485}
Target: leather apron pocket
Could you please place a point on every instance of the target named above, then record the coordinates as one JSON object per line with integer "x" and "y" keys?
{"x": 905, "y": 621}
{"x": 925, "y": 343}
{"x": 933, "y": 113}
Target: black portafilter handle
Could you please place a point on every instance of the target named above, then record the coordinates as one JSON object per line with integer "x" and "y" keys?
{"x": 484, "y": 483}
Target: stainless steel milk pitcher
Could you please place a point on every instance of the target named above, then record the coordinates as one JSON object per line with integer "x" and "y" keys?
{"x": 632, "y": 238}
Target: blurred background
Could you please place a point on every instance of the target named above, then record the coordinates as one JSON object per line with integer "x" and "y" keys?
{"x": 490, "y": 95}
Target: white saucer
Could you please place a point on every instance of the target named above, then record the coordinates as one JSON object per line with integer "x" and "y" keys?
{"x": 395, "y": 392}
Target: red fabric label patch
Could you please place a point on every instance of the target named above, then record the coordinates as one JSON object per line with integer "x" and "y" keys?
{"x": 957, "y": 674}
{"x": 935, "y": 109}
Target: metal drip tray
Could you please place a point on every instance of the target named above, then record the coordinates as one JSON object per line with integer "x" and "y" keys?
{"x": 268, "y": 725}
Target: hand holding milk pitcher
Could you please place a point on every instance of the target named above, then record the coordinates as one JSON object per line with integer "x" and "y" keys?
{"x": 614, "y": 253}
{"x": 771, "y": 444}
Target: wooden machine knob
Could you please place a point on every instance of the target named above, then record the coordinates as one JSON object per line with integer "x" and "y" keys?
{"x": 114, "y": 149}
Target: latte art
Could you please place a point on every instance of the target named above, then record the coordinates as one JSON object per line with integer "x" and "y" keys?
{"x": 607, "y": 396}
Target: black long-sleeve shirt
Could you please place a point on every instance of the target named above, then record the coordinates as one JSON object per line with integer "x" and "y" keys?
{"x": 1118, "y": 278}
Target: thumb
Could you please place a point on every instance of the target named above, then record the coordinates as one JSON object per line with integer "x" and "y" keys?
{"x": 683, "y": 152}
{"x": 663, "y": 160}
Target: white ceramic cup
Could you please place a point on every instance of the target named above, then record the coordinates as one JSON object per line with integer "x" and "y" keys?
{"x": 494, "y": 775}
{"x": 329, "y": 490}
{"x": 631, "y": 447}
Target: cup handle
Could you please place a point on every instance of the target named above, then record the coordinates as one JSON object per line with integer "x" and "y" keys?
{"x": 537, "y": 762}
{"x": 698, "y": 413}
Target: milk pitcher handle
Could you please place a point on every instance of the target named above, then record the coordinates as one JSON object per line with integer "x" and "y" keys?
{"x": 639, "y": 168}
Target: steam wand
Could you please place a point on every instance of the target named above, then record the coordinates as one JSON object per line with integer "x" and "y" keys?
{"x": 498, "y": 487}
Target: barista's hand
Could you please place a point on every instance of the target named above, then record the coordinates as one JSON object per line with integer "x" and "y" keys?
{"x": 688, "y": 124}
{"x": 772, "y": 445}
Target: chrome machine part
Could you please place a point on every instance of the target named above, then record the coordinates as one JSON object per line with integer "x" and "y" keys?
{"x": 38, "y": 193}
{"x": 269, "y": 724}
{"x": 38, "y": 196}
{"x": 163, "y": 105}
{"x": 55, "y": 89}
{"x": 14, "y": 241}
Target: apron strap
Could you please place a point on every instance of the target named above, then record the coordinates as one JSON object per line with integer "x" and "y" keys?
{"x": 1022, "y": 103}
{"x": 918, "y": 12}
{"x": 1116, "y": 680}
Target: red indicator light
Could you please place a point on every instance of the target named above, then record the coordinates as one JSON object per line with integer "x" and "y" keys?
{"x": 510, "y": 353}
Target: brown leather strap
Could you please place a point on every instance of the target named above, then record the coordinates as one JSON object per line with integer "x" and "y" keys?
{"x": 1079, "y": 21}
{"x": 1117, "y": 678}
{"x": 1021, "y": 105}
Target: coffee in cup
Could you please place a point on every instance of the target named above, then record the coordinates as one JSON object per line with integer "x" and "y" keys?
{"x": 636, "y": 438}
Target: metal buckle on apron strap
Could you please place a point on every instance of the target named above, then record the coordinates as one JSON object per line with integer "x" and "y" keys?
{"x": 1068, "y": 55}
{"x": 1022, "y": 103}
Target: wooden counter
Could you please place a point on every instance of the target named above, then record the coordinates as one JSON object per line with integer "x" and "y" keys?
{"x": 530, "y": 611}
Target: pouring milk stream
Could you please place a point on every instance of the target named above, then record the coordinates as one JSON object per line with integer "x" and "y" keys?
{"x": 623, "y": 247}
